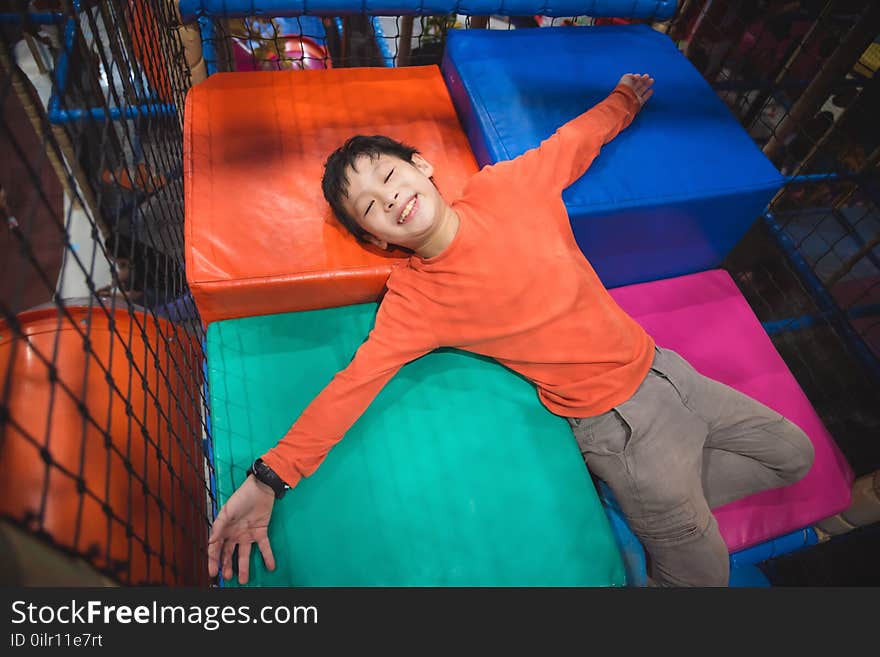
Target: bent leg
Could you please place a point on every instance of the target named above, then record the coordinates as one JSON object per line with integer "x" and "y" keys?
{"x": 649, "y": 450}
{"x": 752, "y": 448}
{"x": 749, "y": 447}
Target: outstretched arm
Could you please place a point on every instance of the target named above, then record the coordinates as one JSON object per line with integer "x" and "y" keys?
{"x": 563, "y": 157}
{"x": 244, "y": 519}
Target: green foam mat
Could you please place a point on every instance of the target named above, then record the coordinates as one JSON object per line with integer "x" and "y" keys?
{"x": 456, "y": 475}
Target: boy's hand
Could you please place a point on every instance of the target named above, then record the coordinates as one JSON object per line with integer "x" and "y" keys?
{"x": 640, "y": 83}
{"x": 242, "y": 521}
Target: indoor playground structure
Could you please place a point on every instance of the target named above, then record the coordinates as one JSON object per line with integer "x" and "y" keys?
{"x": 175, "y": 289}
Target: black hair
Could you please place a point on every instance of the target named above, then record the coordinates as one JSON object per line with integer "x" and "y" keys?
{"x": 335, "y": 181}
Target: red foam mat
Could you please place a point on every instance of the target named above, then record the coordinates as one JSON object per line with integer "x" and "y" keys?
{"x": 260, "y": 238}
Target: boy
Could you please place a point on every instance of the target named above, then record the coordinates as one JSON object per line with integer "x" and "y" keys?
{"x": 498, "y": 273}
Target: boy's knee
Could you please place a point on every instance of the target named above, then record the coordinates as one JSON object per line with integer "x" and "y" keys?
{"x": 802, "y": 453}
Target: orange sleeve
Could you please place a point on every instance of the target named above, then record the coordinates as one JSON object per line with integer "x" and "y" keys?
{"x": 563, "y": 157}
{"x": 392, "y": 343}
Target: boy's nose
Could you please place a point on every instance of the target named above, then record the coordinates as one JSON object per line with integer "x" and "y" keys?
{"x": 392, "y": 200}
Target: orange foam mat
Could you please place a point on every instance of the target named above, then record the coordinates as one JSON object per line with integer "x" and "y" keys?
{"x": 260, "y": 238}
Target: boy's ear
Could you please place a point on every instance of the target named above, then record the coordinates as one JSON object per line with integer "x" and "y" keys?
{"x": 423, "y": 165}
{"x": 372, "y": 239}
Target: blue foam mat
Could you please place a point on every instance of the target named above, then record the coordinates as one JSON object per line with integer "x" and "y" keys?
{"x": 670, "y": 195}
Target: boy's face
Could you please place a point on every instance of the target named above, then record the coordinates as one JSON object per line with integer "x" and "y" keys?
{"x": 394, "y": 200}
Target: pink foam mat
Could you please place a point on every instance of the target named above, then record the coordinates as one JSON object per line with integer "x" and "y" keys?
{"x": 705, "y": 318}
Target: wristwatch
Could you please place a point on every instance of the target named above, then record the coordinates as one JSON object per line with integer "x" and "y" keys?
{"x": 267, "y": 475}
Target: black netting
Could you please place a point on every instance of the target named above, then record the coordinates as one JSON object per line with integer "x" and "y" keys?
{"x": 802, "y": 79}
{"x": 102, "y": 415}
{"x": 799, "y": 78}
{"x": 313, "y": 42}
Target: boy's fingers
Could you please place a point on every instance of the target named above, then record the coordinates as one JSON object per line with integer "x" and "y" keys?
{"x": 215, "y": 544}
{"x": 266, "y": 551}
{"x": 244, "y": 561}
{"x": 215, "y": 547}
{"x": 213, "y": 557}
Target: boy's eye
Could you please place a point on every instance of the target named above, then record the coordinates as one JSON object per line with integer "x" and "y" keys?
{"x": 388, "y": 177}
{"x": 369, "y": 207}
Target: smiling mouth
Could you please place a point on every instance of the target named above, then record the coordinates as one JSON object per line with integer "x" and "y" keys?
{"x": 407, "y": 211}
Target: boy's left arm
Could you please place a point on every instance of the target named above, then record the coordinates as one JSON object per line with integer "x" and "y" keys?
{"x": 563, "y": 157}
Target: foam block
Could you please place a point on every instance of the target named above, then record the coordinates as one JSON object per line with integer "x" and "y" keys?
{"x": 260, "y": 237}
{"x": 705, "y": 318}
{"x": 671, "y": 195}
{"x": 456, "y": 475}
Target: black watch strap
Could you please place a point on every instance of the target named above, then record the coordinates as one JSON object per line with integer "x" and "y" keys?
{"x": 268, "y": 476}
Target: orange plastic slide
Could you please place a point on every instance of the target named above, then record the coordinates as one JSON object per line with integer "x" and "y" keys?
{"x": 260, "y": 238}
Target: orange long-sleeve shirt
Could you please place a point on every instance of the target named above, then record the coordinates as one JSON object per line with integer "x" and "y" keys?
{"x": 512, "y": 285}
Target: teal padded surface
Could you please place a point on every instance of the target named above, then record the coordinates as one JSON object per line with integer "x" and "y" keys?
{"x": 456, "y": 475}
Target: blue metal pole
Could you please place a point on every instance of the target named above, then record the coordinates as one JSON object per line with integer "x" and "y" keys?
{"x": 57, "y": 115}
{"x": 40, "y": 18}
{"x": 823, "y": 298}
{"x": 775, "y": 547}
{"x": 658, "y": 10}
{"x": 381, "y": 42}
{"x": 61, "y": 69}
{"x": 812, "y": 177}
{"x": 208, "y": 442}
{"x": 806, "y": 321}
{"x": 209, "y": 37}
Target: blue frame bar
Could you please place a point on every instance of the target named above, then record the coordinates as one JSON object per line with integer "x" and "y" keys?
{"x": 813, "y": 177}
{"x": 381, "y": 42}
{"x": 61, "y": 68}
{"x": 99, "y": 113}
{"x": 656, "y": 9}
{"x": 823, "y": 298}
{"x": 56, "y": 114}
{"x": 208, "y": 445}
{"x": 209, "y": 36}
{"x": 807, "y": 178}
{"x": 806, "y": 321}
{"x": 775, "y": 547}
{"x": 39, "y": 18}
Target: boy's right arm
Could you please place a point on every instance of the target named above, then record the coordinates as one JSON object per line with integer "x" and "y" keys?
{"x": 244, "y": 519}
{"x": 563, "y": 157}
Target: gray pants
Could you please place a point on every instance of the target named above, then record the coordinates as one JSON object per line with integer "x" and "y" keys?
{"x": 681, "y": 445}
